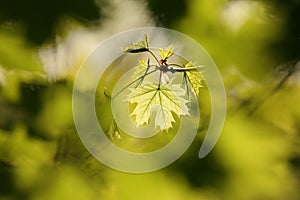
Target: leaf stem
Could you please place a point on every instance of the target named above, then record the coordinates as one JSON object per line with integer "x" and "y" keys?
{"x": 153, "y": 56}
{"x": 183, "y": 69}
{"x": 159, "y": 81}
{"x": 186, "y": 84}
{"x": 141, "y": 77}
{"x": 177, "y": 65}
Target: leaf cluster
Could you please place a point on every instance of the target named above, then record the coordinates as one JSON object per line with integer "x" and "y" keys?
{"x": 163, "y": 99}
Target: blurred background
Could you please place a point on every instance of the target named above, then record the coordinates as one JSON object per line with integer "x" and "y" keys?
{"x": 255, "y": 44}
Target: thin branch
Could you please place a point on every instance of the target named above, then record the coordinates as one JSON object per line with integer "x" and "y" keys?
{"x": 186, "y": 84}
{"x": 142, "y": 79}
{"x": 185, "y": 69}
{"x": 159, "y": 81}
{"x": 153, "y": 56}
{"x": 182, "y": 68}
{"x": 133, "y": 82}
{"x": 176, "y": 65}
{"x": 290, "y": 71}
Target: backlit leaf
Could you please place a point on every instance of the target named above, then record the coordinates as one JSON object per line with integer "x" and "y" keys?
{"x": 162, "y": 102}
{"x": 194, "y": 78}
{"x": 167, "y": 52}
{"x": 138, "y": 47}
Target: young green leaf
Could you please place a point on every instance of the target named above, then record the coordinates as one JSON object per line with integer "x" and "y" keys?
{"x": 162, "y": 102}
{"x": 138, "y": 47}
{"x": 194, "y": 78}
{"x": 113, "y": 131}
{"x": 167, "y": 52}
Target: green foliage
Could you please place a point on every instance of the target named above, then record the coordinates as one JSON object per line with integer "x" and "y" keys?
{"x": 15, "y": 44}
{"x": 40, "y": 19}
{"x": 257, "y": 156}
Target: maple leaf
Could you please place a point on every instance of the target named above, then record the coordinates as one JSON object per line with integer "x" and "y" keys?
{"x": 138, "y": 47}
{"x": 194, "y": 78}
{"x": 161, "y": 101}
{"x": 167, "y": 52}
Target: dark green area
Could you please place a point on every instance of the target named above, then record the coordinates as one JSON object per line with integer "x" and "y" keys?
{"x": 40, "y": 18}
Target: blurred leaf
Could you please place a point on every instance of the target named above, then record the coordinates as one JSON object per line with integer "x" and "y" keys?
{"x": 40, "y": 18}
{"x": 170, "y": 16}
{"x": 65, "y": 182}
{"x": 113, "y": 131}
{"x": 56, "y": 113}
{"x": 28, "y": 155}
{"x": 169, "y": 185}
{"x": 12, "y": 80}
{"x": 250, "y": 146}
{"x": 16, "y": 53}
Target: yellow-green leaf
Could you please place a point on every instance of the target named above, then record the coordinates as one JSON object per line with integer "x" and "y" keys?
{"x": 162, "y": 102}
{"x": 194, "y": 78}
{"x": 138, "y": 47}
{"x": 167, "y": 52}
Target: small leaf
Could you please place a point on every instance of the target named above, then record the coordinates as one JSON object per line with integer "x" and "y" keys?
{"x": 194, "y": 78}
{"x": 166, "y": 53}
{"x": 106, "y": 93}
{"x": 113, "y": 131}
{"x": 138, "y": 47}
{"x": 162, "y": 102}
